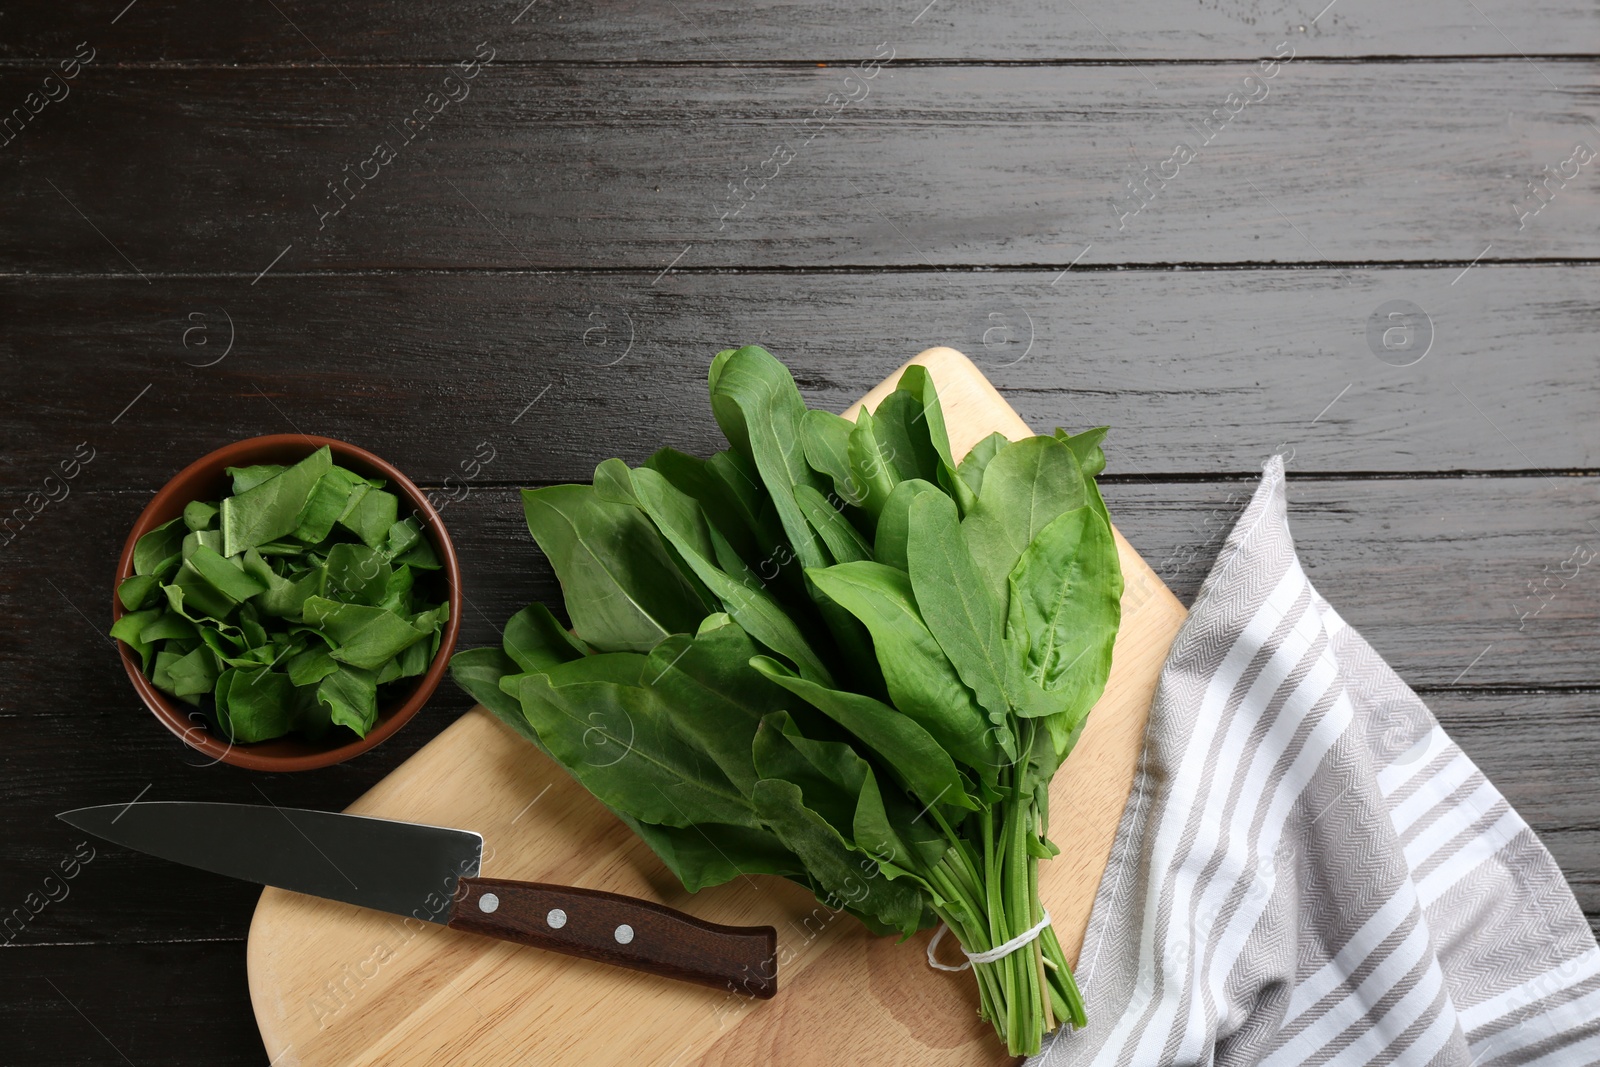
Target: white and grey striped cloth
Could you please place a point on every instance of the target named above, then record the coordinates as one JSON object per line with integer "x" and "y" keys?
{"x": 1309, "y": 871}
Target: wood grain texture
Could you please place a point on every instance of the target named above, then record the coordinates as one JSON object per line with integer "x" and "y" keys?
{"x": 681, "y": 168}
{"x": 51, "y": 999}
{"x": 1197, "y": 372}
{"x": 1432, "y": 571}
{"x": 833, "y": 975}
{"x": 718, "y": 30}
{"x": 1533, "y": 744}
{"x": 1201, "y": 373}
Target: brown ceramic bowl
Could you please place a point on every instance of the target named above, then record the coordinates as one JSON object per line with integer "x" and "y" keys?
{"x": 205, "y": 479}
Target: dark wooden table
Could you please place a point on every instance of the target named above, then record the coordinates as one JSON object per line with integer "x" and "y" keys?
{"x": 1366, "y": 234}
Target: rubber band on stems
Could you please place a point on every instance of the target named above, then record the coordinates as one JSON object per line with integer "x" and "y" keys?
{"x": 999, "y": 952}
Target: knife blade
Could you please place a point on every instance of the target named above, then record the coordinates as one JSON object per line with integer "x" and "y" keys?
{"x": 432, "y": 873}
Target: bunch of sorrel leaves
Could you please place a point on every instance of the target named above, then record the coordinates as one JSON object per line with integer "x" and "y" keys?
{"x": 834, "y": 653}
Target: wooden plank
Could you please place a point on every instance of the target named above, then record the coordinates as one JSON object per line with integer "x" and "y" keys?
{"x": 836, "y": 975}
{"x": 64, "y": 691}
{"x": 1476, "y": 581}
{"x": 1171, "y": 358}
{"x": 151, "y": 1005}
{"x": 1199, "y": 373}
{"x": 717, "y": 30}
{"x": 646, "y": 168}
{"x": 1528, "y": 743}
{"x": 71, "y": 732}
{"x": 91, "y": 742}
{"x": 1432, "y": 571}
{"x": 159, "y": 1004}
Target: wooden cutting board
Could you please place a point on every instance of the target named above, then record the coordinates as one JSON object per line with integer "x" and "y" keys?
{"x": 333, "y": 984}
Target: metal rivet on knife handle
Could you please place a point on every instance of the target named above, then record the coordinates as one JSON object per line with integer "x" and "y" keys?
{"x": 625, "y": 931}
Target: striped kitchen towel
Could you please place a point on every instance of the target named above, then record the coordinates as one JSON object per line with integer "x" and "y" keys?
{"x": 1309, "y": 871}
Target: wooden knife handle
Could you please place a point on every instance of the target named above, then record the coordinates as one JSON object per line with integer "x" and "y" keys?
{"x": 622, "y": 930}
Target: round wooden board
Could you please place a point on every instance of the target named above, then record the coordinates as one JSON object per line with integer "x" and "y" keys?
{"x": 334, "y": 984}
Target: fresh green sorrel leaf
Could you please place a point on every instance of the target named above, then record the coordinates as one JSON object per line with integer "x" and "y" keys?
{"x": 623, "y": 591}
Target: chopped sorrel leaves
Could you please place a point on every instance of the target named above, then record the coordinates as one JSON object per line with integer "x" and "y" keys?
{"x": 286, "y": 607}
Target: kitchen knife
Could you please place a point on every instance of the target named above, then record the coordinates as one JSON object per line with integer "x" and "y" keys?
{"x": 431, "y": 873}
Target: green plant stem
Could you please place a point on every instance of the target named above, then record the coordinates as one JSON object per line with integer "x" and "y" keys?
{"x": 960, "y": 920}
{"x": 1037, "y": 948}
{"x": 989, "y": 899}
{"x": 1026, "y": 1013}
